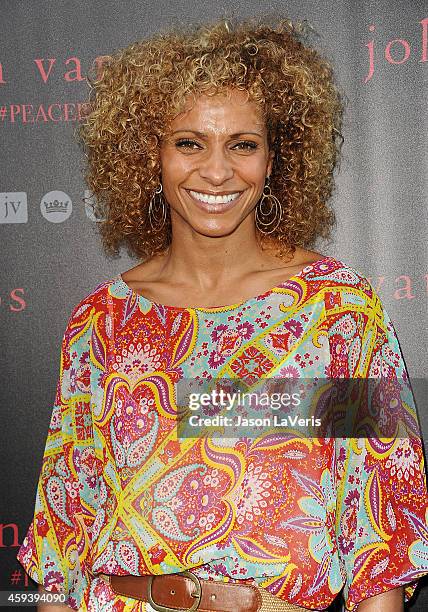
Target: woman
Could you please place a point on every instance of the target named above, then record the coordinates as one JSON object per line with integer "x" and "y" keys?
{"x": 212, "y": 153}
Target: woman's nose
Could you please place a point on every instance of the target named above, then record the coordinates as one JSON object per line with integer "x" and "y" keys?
{"x": 216, "y": 166}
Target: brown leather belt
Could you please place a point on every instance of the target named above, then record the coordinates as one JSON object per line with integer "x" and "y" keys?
{"x": 184, "y": 591}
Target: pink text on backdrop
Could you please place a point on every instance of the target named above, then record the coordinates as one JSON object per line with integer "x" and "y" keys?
{"x": 45, "y": 67}
{"x": 397, "y": 51}
{"x": 12, "y": 528}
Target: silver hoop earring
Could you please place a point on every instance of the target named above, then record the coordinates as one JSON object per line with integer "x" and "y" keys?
{"x": 273, "y": 204}
{"x": 157, "y": 210}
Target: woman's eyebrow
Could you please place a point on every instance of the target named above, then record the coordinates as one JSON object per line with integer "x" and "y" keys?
{"x": 202, "y": 135}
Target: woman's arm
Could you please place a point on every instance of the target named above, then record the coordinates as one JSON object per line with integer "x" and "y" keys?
{"x": 390, "y": 601}
{"x": 51, "y": 535}
{"x": 50, "y": 607}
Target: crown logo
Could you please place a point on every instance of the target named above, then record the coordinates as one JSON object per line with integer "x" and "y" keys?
{"x": 56, "y": 206}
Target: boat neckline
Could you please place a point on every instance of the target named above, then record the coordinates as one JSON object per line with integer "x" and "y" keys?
{"x": 119, "y": 279}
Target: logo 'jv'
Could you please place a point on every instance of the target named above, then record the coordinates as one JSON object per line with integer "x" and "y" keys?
{"x": 13, "y": 207}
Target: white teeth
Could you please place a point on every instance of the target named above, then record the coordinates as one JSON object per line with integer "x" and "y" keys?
{"x": 210, "y": 199}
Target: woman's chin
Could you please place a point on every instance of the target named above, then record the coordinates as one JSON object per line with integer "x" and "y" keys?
{"x": 214, "y": 228}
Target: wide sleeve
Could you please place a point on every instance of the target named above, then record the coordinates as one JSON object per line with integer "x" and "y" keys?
{"x": 56, "y": 547}
{"x": 381, "y": 483}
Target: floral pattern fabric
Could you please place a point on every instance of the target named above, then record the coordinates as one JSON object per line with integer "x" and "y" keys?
{"x": 120, "y": 493}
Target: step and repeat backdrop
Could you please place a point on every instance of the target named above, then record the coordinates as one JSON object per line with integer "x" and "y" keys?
{"x": 51, "y": 253}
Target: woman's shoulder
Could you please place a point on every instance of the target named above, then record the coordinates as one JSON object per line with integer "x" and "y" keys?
{"x": 95, "y": 300}
{"x": 347, "y": 291}
{"x": 335, "y": 273}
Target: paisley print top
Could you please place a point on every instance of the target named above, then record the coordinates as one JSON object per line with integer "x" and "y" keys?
{"x": 120, "y": 493}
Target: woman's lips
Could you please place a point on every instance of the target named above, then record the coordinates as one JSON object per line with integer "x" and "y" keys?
{"x": 215, "y": 207}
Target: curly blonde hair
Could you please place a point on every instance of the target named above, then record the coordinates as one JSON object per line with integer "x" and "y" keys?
{"x": 142, "y": 87}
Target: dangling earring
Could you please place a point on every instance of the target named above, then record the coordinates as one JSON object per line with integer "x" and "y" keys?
{"x": 272, "y": 202}
{"x": 157, "y": 201}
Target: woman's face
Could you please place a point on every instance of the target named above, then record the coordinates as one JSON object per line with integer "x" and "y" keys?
{"x": 214, "y": 162}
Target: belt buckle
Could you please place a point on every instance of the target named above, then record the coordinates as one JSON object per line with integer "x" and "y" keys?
{"x": 197, "y": 594}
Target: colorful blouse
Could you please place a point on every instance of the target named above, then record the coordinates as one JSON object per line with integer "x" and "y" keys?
{"x": 120, "y": 493}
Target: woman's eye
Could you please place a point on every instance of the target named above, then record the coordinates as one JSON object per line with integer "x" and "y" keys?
{"x": 186, "y": 144}
{"x": 246, "y": 145}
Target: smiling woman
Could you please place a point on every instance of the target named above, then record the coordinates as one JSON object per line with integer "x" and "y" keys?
{"x": 286, "y": 110}
{"x": 211, "y": 152}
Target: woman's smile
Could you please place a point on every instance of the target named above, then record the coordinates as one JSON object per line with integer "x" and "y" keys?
{"x": 215, "y": 203}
